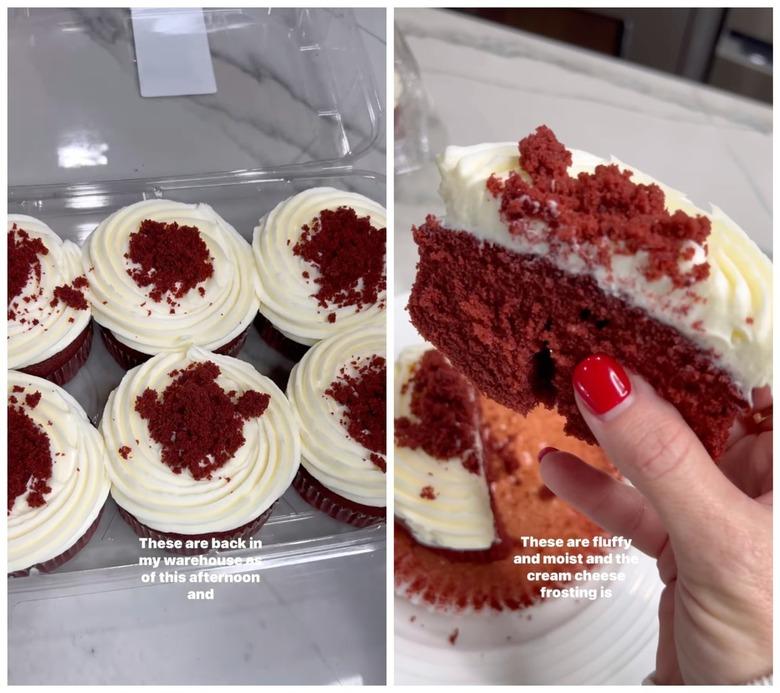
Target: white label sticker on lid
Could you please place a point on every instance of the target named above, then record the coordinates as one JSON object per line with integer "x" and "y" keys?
{"x": 172, "y": 52}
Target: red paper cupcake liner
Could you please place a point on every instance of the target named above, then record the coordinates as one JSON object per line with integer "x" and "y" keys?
{"x": 130, "y": 358}
{"x": 277, "y": 341}
{"x": 65, "y": 556}
{"x": 339, "y": 508}
{"x": 61, "y": 367}
{"x": 243, "y": 532}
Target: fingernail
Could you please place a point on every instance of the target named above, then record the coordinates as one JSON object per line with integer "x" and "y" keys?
{"x": 601, "y": 382}
{"x": 545, "y": 451}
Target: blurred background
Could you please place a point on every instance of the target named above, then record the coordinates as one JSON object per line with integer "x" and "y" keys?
{"x": 730, "y": 48}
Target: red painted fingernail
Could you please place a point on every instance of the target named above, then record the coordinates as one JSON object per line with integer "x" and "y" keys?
{"x": 601, "y": 382}
{"x": 546, "y": 451}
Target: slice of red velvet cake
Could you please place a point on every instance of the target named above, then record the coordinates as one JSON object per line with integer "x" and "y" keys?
{"x": 548, "y": 257}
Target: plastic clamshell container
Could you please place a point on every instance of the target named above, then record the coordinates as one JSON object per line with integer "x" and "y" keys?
{"x": 295, "y": 532}
{"x": 293, "y": 89}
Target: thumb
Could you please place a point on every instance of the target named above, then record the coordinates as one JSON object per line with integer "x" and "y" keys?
{"x": 649, "y": 442}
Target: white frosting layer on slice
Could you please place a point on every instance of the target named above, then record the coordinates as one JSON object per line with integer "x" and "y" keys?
{"x": 330, "y": 455}
{"x": 79, "y": 482}
{"x": 211, "y": 320}
{"x": 460, "y": 516}
{"x": 241, "y": 490}
{"x": 30, "y": 343}
{"x": 286, "y": 297}
{"x": 734, "y": 320}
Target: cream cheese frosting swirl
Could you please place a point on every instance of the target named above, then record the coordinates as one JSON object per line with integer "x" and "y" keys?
{"x": 459, "y": 516}
{"x": 209, "y": 318}
{"x": 79, "y": 482}
{"x": 286, "y": 297}
{"x": 337, "y": 461}
{"x": 46, "y": 329}
{"x": 734, "y": 317}
{"x": 241, "y": 490}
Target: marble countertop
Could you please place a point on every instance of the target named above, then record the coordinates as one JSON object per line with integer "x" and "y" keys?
{"x": 488, "y": 83}
{"x": 319, "y": 623}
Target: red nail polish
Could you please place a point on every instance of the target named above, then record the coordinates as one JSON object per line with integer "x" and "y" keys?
{"x": 601, "y": 382}
{"x": 546, "y": 451}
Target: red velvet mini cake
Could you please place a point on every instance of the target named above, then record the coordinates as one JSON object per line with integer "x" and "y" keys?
{"x": 442, "y": 513}
{"x": 320, "y": 258}
{"x": 548, "y": 257}
{"x": 49, "y": 318}
{"x": 164, "y": 275}
{"x": 57, "y": 479}
{"x": 200, "y": 446}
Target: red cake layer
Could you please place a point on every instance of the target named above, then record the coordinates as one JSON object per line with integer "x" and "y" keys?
{"x": 64, "y": 365}
{"x": 517, "y": 326}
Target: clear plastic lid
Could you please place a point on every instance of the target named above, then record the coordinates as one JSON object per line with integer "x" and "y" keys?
{"x": 293, "y": 88}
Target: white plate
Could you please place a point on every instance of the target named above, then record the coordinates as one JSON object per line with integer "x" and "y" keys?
{"x": 607, "y": 641}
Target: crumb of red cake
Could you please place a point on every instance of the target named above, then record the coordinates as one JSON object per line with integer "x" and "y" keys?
{"x": 172, "y": 259}
{"x": 516, "y": 326}
{"x": 71, "y": 294}
{"x": 29, "y": 459}
{"x": 453, "y": 637}
{"x": 445, "y": 412}
{"x": 349, "y": 254}
{"x": 412, "y": 618}
{"x": 198, "y": 426}
{"x": 125, "y": 451}
{"x": 580, "y": 212}
{"x": 23, "y": 262}
{"x": 428, "y": 492}
{"x": 363, "y": 394}
{"x": 32, "y": 399}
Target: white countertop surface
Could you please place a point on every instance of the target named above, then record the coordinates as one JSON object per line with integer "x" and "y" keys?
{"x": 488, "y": 83}
{"x": 316, "y": 623}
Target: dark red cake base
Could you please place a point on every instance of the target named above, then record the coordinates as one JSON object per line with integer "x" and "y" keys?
{"x": 338, "y": 507}
{"x": 243, "y": 532}
{"x": 61, "y": 367}
{"x": 65, "y": 556}
{"x": 517, "y": 326}
{"x": 277, "y": 341}
{"x": 130, "y": 358}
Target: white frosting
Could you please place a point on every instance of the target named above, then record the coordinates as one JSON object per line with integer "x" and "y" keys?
{"x": 739, "y": 286}
{"x": 29, "y": 344}
{"x": 79, "y": 482}
{"x": 257, "y": 475}
{"x": 286, "y": 297}
{"x": 329, "y": 454}
{"x": 211, "y": 320}
{"x": 460, "y": 516}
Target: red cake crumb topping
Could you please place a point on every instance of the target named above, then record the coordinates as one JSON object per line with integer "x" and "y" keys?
{"x": 350, "y": 255}
{"x": 444, "y": 405}
{"x": 198, "y": 425}
{"x": 29, "y": 458}
{"x": 364, "y": 396}
{"x": 173, "y": 259}
{"x": 454, "y": 636}
{"x": 71, "y": 294}
{"x": 125, "y": 451}
{"x": 23, "y": 262}
{"x": 32, "y": 399}
{"x": 428, "y": 492}
{"x": 597, "y": 214}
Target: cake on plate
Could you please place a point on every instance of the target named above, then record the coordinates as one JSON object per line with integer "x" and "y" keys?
{"x": 164, "y": 275}
{"x": 547, "y": 256}
{"x": 57, "y": 477}
{"x": 49, "y": 318}
{"x": 339, "y": 395}
{"x": 199, "y": 445}
{"x": 320, "y": 258}
{"x": 468, "y": 487}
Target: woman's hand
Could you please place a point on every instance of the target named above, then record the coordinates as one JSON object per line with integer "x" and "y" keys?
{"x": 708, "y": 525}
